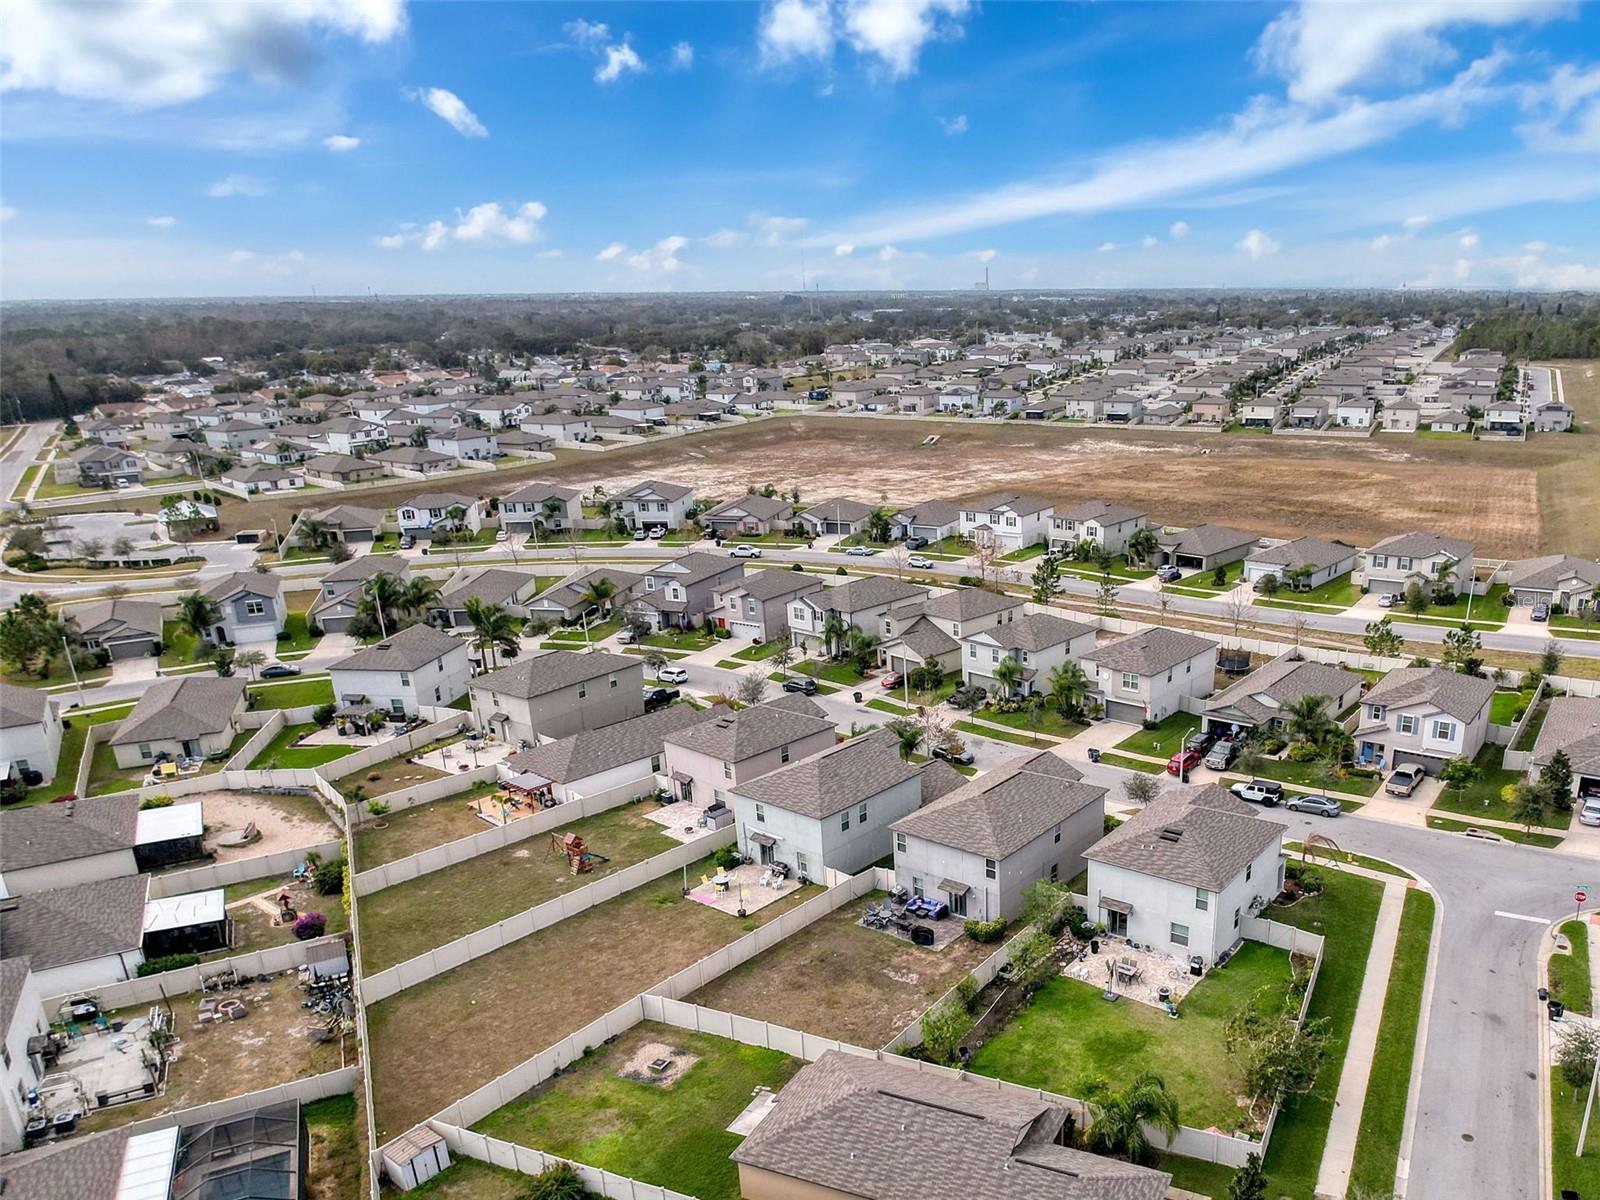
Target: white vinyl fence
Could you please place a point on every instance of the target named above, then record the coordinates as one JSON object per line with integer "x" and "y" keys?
{"x": 421, "y": 793}
{"x": 425, "y": 966}
{"x": 215, "y": 875}
{"x": 394, "y": 747}
{"x": 313, "y": 1087}
{"x": 1518, "y": 760}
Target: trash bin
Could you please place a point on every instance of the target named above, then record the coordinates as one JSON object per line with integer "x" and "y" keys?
{"x": 1557, "y": 1008}
{"x": 1094, "y": 754}
{"x": 858, "y": 697}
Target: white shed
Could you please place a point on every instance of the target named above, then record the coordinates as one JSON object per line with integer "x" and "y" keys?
{"x": 415, "y": 1157}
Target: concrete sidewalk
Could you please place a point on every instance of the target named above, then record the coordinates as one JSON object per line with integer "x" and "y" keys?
{"x": 1338, "y": 1155}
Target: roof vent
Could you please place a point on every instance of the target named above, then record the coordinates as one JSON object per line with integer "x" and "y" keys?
{"x": 1170, "y": 834}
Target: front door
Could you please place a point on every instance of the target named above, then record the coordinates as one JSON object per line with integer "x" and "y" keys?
{"x": 768, "y": 853}
{"x": 1116, "y": 923}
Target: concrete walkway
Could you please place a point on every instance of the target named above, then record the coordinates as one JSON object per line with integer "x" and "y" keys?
{"x": 1338, "y": 1155}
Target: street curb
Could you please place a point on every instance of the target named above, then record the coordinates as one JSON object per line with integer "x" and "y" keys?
{"x": 1402, "y": 1175}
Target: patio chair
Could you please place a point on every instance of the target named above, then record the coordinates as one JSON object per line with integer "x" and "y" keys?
{"x": 705, "y": 882}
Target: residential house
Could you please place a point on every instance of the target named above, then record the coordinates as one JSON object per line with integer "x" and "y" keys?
{"x": 1037, "y": 642}
{"x": 30, "y": 728}
{"x": 1205, "y": 547}
{"x": 1010, "y": 520}
{"x": 1402, "y": 416}
{"x": 556, "y": 509}
{"x": 1260, "y": 413}
{"x": 1423, "y": 715}
{"x": 1308, "y": 412}
{"x": 337, "y": 601}
{"x": 347, "y": 435}
{"x": 627, "y": 756}
{"x": 413, "y": 462}
{"x": 100, "y": 466}
{"x": 752, "y": 515}
{"x": 1571, "y": 727}
{"x": 348, "y": 523}
{"x": 980, "y": 846}
{"x": 108, "y": 433}
{"x": 255, "y": 478}
{"x": 1107, "y": 525}
{"x": 564, "y": 427}
{"x": 565, "y": 602}
{"x": 849, "y": 1126}
{"x": 1504, "y": 417}
{"x": 1145, "y": 676}
{"x": 756, "y": 606}
{"x": 123, "y": 628}
{"x": 1301, "y": 563}
{"x": 419, "y": 666}
{"x": 1553, "y": 417}
{"x": 500, "y": 412}
{"x": 679, "y": 594}
{"x": 1419, "y": 557}
{"x": 1562, "y": 580}
{"x": 343, "y": 469}
{"x": 861, "y": 603}
{"x": 191, "y": 716}
{"x": 1181, "y": 875}
{"x": 434, "y": 512}
{"x": 76, "y": 938}
{"x": 930, "y": 520}
{"x": 1263, "y": 699}
{"x": 654, "y": 504}
{"x": 503, "y": 586}
{"x": 829, "y": 810}
{"x": 836, "y": 516}
{"x": 1354, "y": 412}
{"x": 558, "y": 693}
{"x": 236, "y": 435}
{"x": 22, "y": 1019}
{"x": 251, "y": 608}
{"x": 708, "y": 762}
{"x": 1211, "y": 410}
{"x": 1454, "y": 421}
{"x": 918, "y": 400}
{"x": 465, "y": 444}
{"x": 927, "y": 630}
{"x": 525, "y": 445}
{"x": 1122, "y": 408}
{"x": 101, "y": 837}
{"x": 1163, "y": 412}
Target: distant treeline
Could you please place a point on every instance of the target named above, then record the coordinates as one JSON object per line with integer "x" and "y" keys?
{"x": 1553, "y": 329}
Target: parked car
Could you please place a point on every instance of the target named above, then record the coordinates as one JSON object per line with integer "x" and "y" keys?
{"x": 1168, "y": 573}
{"x": 969, "y": 695}
{"x": 657, "y": 697}
{"x": 1183, "y": 762}
{"x": 501, "y": 536}
{"x": 861, "y": 551}
{"x": 916, "y": 543}
{"x": 638, "y": 534}
{"x": 672, "y": 673}
{"x": 407, "y": 541}
{"x": 961, "y": 756}
{"x": 122, "y": 483}
{"x": 921, "y": 563}
{"x": 1404, "y": 780}
{"x": 658, "y": 532}
{"x": 1267, "y": 792}
{"x": 1589, "y": 814}
{"x": 1317, "y": 806}
{"x": 626, "y": 636}
{"x": 745, "y": 550}
{"x": 803, "y": 684}
{"x": 279, "y": 671}
{"x": 893, "y": 679}
{"x": 1541, "y": 612}
{"x": 1220, "y": 756}
{"x": 1201, "y": 740}
{"x": 1385, "y": 599}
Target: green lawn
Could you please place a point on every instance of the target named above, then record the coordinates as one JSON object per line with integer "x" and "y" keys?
{"x": 680, "y": 639}
{"x": 336, "y": 1140}
{"x": 73, "y": 735}
{"x": 1338, "y": 593}
{"x": 1383, "y": 1112}
{"x": 28, "y": 476}
{"x": 57, "y": 674}
{"x": 1121, "y": 568}
{"x": 1505, "y": 708}
{"x": 1023, "y": 555}
{"x": 1068, "y": 1038}
{"x": 1314, "y": 777}
{"x": 1000, "y": 735}
{"x": 1130, "y": 764}
{"x": 292, "y": 695}
{"x": 296, "y": 637}
{"x": 1165, "y": 740}
{"x": 1488, "y": 610}
{"x": 105, "y": 776}
{"x": 1360, "y": 860}
{"x": 1569, "y": 973}
{"x": 1050, "y": 721}
{"x": 761, "y": 651}
{"x": 1202, "y": 583}
{"x": 1449, "y": 825}
{"x": 598, "y": 631}
{"x": 1482, "y": 799}
{"x": 281, "y": 753}
{"x": 181, "y": 647}
{"x": 1579, "y": 1175}
{"x": 1530, "y": 731}
{"x": 1344, "y": 914}
{"x": 670, "y": 1137}
{"x": 842, "y": 673}
{"x": 879, "y": 704}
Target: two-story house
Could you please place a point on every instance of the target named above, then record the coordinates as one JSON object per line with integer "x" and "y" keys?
{"x": 419, "y": 666}
{"x": 464, "y": 443}
{"x": 756, "y": 605}
{"x": 1425, "y": 716}
{"x": 558, "y": 693}
{"x": 656, "y": 505}
{"x": 1038, "y": 642}
{"x": 924, "y": 631}
{"x": 707, "y": 762}
{"x": 1426, "y": 559}
{"x": 1010, "y": 520}
{"x": 500, "y": 412}
{"x": 250, "y": 606}
{"x": 679, "y": 594}
{"x": 556, "y": 510}
{"x": 30, "y": 727}
{"x": 347, "y": 435}
{"x": 1105, "y": 524}
{"x": 340, "y": 595}
{"x": 100, "y": 466}
{"x": 1146, "y": 675}
{"x": 439, "y": 511}
{"x": 860, "y": 602}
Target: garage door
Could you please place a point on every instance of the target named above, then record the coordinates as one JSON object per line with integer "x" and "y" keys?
{"x": 1409, "y": 758}
{"x": 1121, "y": 710}
{"x": 357, "y": 536}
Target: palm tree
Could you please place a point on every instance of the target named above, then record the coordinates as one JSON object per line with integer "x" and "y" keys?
{"x": 1142, "y": 543}
{"x": 315, "y": 531}
{"x": 909, "y": 736}
{"x": 1120, "y": 1118}
{"x": 878, "y": 523}
{"x": 495, "y": 628}
{"x": 860, "y": 646}
{"x": 598, "y": 592}
{"x": 418, "y": 594}
{"x": 1008, "y": 674}
{"x": 1309, "y": 721}
{"x": 834, "y": 631}
{"x": 381, "y": 598}
{"x": 1068, "y": 688}
{"x": 198, "y": 614}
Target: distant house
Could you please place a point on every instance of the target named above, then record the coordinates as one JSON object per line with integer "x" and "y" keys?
{"x": 627, "y": 754}
{"x": 753, "y": 515}
{"x": 1010, "y": 520}
{"x": 99, "y": 466}
{"x": 434, "y": 512}
{"x": 464, "y": 443}
{"x": 1146, "y": 675}
{"x": 341, "y": 469}
{"x": 836, "y": 516}
{"x": 756, "y": 605}
{"x": 348, "y": 523}
{"x": 930, "y": 520}
{"x": 1182, "y": 874}
{"x": 1037, "y": 642}
{"x": 251, "y": 480}
{"x": 656, "y": 504}
{"x": 1205, "y": 547}
{"x": 565, "y": 601}
{"x": 413, "y": 462}
{"x": 558, "y": 693}
{"x": 1302, "y": 562}
{"x": 251, "y": 608}
{"x": 566, "y": 427}
{"x": 1260, "y": 414}
{"x": 1555, "y": 579}
{"x": 860, "y": 602}
{"x": 192, "y": 716}
{"x": 1419, "y": 557}
{"x": 1354, "y": 412}
{"x": 346, "y": 435}
{"x": 1553, "y": 417}
{"x": 1403, "y": 416}
{"x": 556, "y": 509}
{"x": 418, "y": 666}
{"x": 978, "y": 847}
{"x": 1425, "y": 716}
{"x": 1211, "y": 410}
{"x": 123, "y": 628}
{"x": 337, "y": 601}
{"x": 30, "y": 727}
{"x": 928, "y": 630}
{"x": 1105, "y": 524}
{"x": 1263, "y": 699}
{"x": 510, "y": 589}
{"x": 236, "y": 435}
{"x": 678, "y": 594}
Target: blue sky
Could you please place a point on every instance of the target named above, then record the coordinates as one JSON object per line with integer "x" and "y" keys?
{"x": 171, "y": 148}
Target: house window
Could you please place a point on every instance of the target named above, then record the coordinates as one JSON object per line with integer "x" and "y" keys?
{"x": 916, "y": 885}
{"x": 716, "y": 795}
{"x": 655, "y": 764}
{"x": 899, "y": 843}
{"x": 1058, "y": 835}
{"x": 1375, "y": 711}
{"x": 801, "y": 866}
{"x": 1406, "y": 723}
{"x": 1055, "y": 872}
{"x": 783, "y": 753}
{"x": 761, "y": 813}
{"x": 254, "y": 608}
{"x": 844, "y": 820}
{"x": 583, "y": 690}
{"x": 727, "y": 769}
{"x": 1444, "y": 731}
{"x": 861, "y": 815}
{"x": 972, "y": 650}
{"x": 649, "y": 583}
{"x": 990, "y": 868}
{"x": 1236, "y": 918}
{"x": 437, "y": 696}
{"x": 1403, "y": 563}
{"x": 405, "y": 680}
{"x": 1180, "y": 934}
{"x": 1130, "y": 682}
{"x": 1249, "y": 868}
{"x": 1380, "y": 560}
{"x": 1202, "y": 900}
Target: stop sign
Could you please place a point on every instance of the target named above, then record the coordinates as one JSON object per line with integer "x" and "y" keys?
{"x": 1580, "y": 897}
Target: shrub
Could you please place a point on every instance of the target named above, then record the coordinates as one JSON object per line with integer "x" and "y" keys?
{"x": 1311, "y": 881}
{"x": 1082, "y": 927}
{"x": 328, "y": 877}
{"x": 1302, "y": 752}
{"x": 840, "y": 571}
{"x": 722, "y": 633}
{"x": 560, "y": 1181}
{"x": 726, "y": 858}
{"x": 156, "y": 802}
{"x": 310, "y": 925}
{"x": 970, "y": 581}
{"x": 796, "y": 567}
{"x": 985, "y": 931}
{"x": 378, "y": 808}
{"x": 967, "y": 989}
{"x": 322, "y": 715}
{"x": 172, "y": 962}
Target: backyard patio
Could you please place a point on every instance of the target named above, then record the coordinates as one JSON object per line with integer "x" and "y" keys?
{"x": 742, "y": 890}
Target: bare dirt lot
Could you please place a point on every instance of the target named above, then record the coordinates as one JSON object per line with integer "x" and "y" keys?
{"x": 285, "y": 822}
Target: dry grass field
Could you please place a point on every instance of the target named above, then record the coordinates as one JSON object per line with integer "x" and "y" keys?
{"x": 1569, "y": 491}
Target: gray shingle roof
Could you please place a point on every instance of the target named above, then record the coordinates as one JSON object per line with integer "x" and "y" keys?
{"x": 1421, "y": 544}
{"x": 1150, "y": 652}
{"x": 439, "y": 500}
{"x": 969, "y": 603}
{"x": 413, "y": 647}
{"x": 1263, "y": 695}
{"x": 1542, "y": 574}
{"x": 1003, "y": 810}
{"x": 85, "y": 1168}
{"x": 1460, "y": 696}
{"x": 883, "y": 1131}
{"x": 926, "y": 640}
{"x": 243, "y": 583}
{"x": 73, "y": 924}
{"x": 552, "y": 671}
{"x": 492, "y": 585}
{"x": 592, "y": 751}
{"x": 1018, "y": 502}
{"x": 939, "y": 778}
{"x": 348, "y": 516}
{"x": 1304, "y": 551}
{"x": 1197, "y": 836}
{"x": 770, "y": 584}
{"x": 22, "y": 706}
{"x": 1034, "y": 632}
{"x": 13, "y": 974}
{"x": 569, "y": 592}
{"x": 689, "y": 569}
{"x": 756, "y": 506}
{"x": 657, "y": 488}
{"x": 365, "y": 566}
{"x": 119, "y": 618}
{"x": 181, "y": 708}
{"x": 1572, "y": 724}
{"x": 838, "y": 508}
{"x": 749, "y": 732}
{"x": 52, "y": 833}
{"x": 1206, "y": 540}
{"x": 538, "y": 493}
{"x": 860, "y": 594}
{"x": 930, "y": 512}
{"x": 1102, "y": 511}
{"x": 834, "y": 779}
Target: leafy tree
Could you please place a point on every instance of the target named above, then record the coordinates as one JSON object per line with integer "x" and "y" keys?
{"x": 1459, "y": 774}
{"x": 418, "y": 594}
{"x": 1528, "y": 804}
{"x": 380, "y": 601}
{"x": 1416, "y": 600}
{"x": 1142, "y": 544}
{"x": 878, "y": 525}
{"x": 1550, "y": 658}
{"x": 1141, "y": 788}
{"x": 637, "y": 624}
{"x": 752, "y": 686}
{"x": 1461, "y": 650}
{"x": 250, "y": 660}
{"x": 944, "y": 1029}
{"x": 494, "y": 630}
{"x": 862, "y": 648}
{"x": 1269, "y": 585}
{"x": 1580, "y": 1045}
{"x": 1381, "y": 639}
{"x": 1033, "y": 959}
{"x": 1106, "y": 597}
{"x": 1120, "y": 1119}
{"x": 222, "y": 658}
{"x": 1046, "y": 581}
{"x": 1309, "y": 721}
{"x": 1069, "y": 687}
{"x": 1276, "y": 1059}
{"x": 1556, "y": 781}
{"x": 835, "y": 629}
{"x": 1248, "y": 1182}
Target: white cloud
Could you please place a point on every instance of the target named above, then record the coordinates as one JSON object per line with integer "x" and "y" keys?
{"x": 451, "y": 109}
{"x": 1178, "y": 230}
{"x": 161, "y": 222}
{"x": 1323, "y": 47}
{"x": 1106, "y": 247}
{"x": 1535, "y": 247}
{"x": 1416, "y": 221}
{"x": 550, "y": 253}
{"x": 434, "y": 235}
{"x": 7, "y": 212}
{"x": 1565, "y": 116}
{"x": 723, "y": 239}
{"x": 391, "y": 241}
{"x": 620, "y": 60}
{"x": 889, "y": 254}
{"x": 268, "y": 264}
{"x": 1463, "y": 268}
{"x": 662, "y": 257}
{"x": 843, "y": 250}
{"x": 894, "y": 31}
{"x": 776, "y": 230}
{"x": 340, "y": 143}
{"x": 237, "y": 185}
{"x": 588, "y": 33}
{"x": 149, "y": 53}
{"x": 984, "y": 256}
{"x": 1467, "y": 239}
{"x": 489, "y": 223}
{"x": 682, "y": 57}
{"x": 610, "y": 252}
{"x": 1258, "y": 245}
{"x": 955, "y": 125}
{"x": 795, "y": 29}
{"x": 1383, "y": 241}
{"x": 1149, "y": 240}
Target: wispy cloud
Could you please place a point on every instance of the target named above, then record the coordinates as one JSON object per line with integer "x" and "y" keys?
{"x": 610, "y": 252}
{"x": 889, "y": 33}
{"x": 682, "y": 56}
{"x": 237, "y": 185}
{"x": 340, "y": 143}
{"x": 452, "y": 110}
{"x": 955, "y": 125}
{"x": 620, "y": 60}
{"x": 483, "y": 224}
{"x": 163, "y": 222}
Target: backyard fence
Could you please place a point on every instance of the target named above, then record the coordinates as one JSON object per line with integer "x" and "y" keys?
{"x": 313, "y": 1087}
{"x": 1518, "y": 760}
{"x": 181, "y": 982}
{"x": 425, "y": 966}
{"x": 491, "y": 838}
{"x": 421, "y": 793}
{"x": 393, "y": 747}
{"x": 215, "y": 875}
{"x": 273, "y": 722}
{"x": 984, "y": 973}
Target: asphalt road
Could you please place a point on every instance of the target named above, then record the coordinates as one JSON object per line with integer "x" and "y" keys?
{"x": 15, "y": 461}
